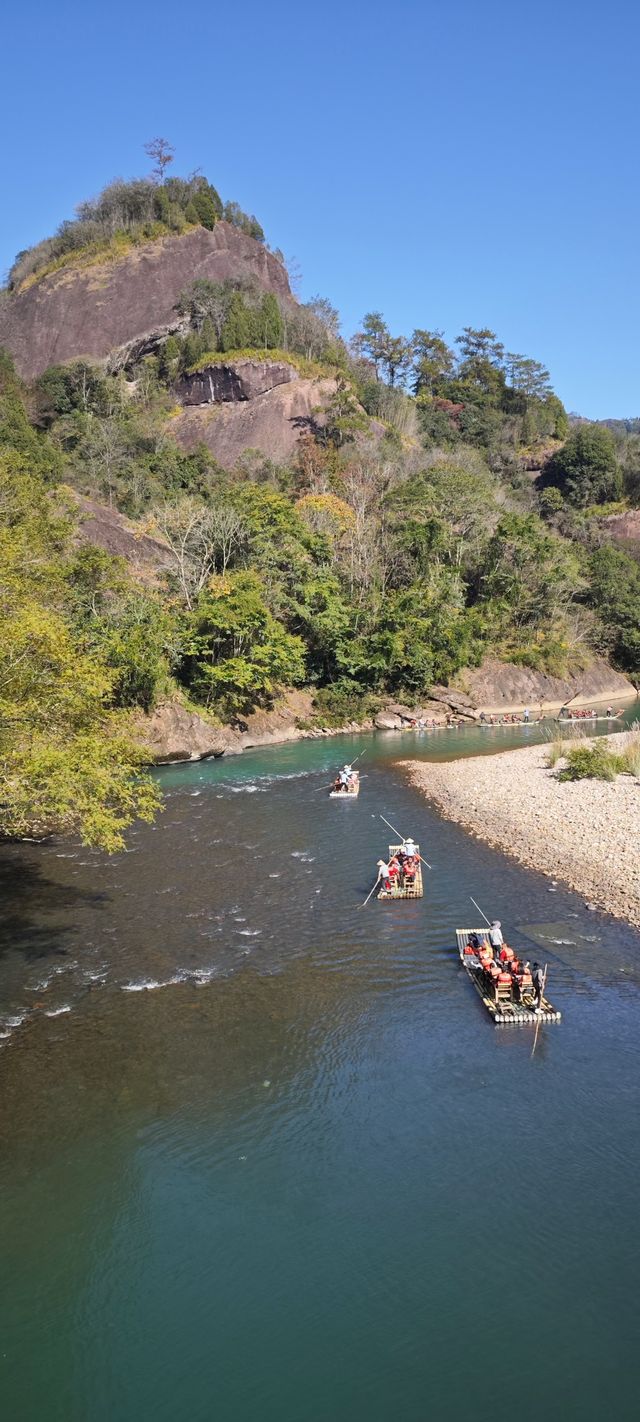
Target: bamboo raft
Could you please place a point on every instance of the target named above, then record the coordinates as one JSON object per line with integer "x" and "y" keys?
{"x": 515, "y": 1014}
{"x": 351, "y": 793}
{"x": 585, "y": 720}
{"x": 408, "y": 891}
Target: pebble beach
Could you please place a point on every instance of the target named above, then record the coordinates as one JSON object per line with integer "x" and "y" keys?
{"x": 585, "y": 832}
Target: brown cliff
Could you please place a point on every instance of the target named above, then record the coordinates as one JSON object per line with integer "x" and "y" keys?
{"x": 271, "y": 423}
{"x": 502, "y": 686}
{"x": 233, "y": 381}
{"x": 95, "y": 310}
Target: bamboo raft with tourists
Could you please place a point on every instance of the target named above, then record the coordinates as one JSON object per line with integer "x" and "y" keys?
{"x": 579, "y": 718}
{"x": 512, "y": 992}
{"x": 346, "y": 785}
{"x": 399, "y": 876}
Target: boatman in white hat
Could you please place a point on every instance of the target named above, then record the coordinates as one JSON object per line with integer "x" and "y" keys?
{"x": 495, "y": 934}
{"x": 383, "y": 873}
{"x": 409, "y": 848}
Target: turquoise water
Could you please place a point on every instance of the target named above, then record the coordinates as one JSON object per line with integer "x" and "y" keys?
{"x": 274, "y": 1162}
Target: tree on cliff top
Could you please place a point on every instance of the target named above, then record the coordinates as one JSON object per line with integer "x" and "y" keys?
{"x": 161, "y": 153}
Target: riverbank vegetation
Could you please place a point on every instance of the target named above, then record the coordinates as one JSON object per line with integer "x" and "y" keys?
{"x": 597, "y": 760}
{"x": 440, "y": 507}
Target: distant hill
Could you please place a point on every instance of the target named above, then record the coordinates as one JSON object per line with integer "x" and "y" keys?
{"x": 617, "y": 427}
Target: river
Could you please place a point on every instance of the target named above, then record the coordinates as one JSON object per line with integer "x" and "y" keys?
{"x": 264, "y": 1158}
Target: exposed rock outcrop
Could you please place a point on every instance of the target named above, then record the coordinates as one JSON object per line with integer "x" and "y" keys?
{"x": 442, "y": 701}
{"x": 171, "y": 732}
{"x": 624, "y": 528}
{"x": 271, "y": 423}
{"x": 106, "y": 528}
{"x": 505, "y": 687}
{"x": 229, "y": 383}
{"x": 95, "y": 310}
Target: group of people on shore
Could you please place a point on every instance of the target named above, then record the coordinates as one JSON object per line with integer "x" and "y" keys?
{"x": 502, "y": 969}
{"x": 401, "y": 870}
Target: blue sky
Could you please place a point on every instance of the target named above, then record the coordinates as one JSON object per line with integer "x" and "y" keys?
{"x": 473, "y": 164}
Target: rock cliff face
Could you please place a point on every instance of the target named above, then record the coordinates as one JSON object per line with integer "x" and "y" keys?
{"x": 147, "y": 558}
{"x": 506, "y": 687}
{"x": 95, "y": 311}
{"x": 239, "y": 380}
{"x": 171, "y": 732}
{"x": 271, "y": 423}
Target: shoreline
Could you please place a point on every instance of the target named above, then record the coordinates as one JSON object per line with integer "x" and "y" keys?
{"x": 583, "y": 833}
{"x": 192, "y": 738}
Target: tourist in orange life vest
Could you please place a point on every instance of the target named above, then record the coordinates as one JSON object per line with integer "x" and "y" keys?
{"x": 394, "y": 868}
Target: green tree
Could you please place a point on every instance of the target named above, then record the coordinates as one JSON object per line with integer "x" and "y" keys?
{"x": 16, "y": 431}
{"x": 244, "y": 221}
{"x": 66, "y": 760}
{"x": 614, "y": 593}
{"x": 433, "y": 362}
{"x": 266, "y": 323}
{"x": 63, "y": 389}
{"x": 586, "y": 469}
{"x": 390, "y": 355}
{"x": 481, "y": 364}
{"x": 204, "y": 208}
{"x": 529, "y": 576}
{"x": 527, "y": 376}
{"x": 239, "y": 655}
{"x": 236, "y": 331}
{"x": 344, "y": 418}
{"x": 424, "y": 633}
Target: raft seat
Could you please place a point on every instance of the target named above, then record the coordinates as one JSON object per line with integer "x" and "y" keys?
{"x": 503, "y": 991}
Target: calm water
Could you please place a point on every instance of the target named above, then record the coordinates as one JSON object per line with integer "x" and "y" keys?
{"x": 263, "y": 1156}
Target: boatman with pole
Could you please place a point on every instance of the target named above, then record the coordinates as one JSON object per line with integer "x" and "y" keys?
{"x": 538, "y": 983}
{"x": 495, "y": 934}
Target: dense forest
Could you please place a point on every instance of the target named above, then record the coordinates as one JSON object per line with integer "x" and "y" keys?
{"x": 441, "y": 507}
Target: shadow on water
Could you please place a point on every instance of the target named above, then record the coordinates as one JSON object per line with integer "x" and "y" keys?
{"x": 38, "y": 912}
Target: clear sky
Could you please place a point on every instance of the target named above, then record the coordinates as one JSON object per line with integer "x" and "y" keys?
{"x": 448, "y": 165}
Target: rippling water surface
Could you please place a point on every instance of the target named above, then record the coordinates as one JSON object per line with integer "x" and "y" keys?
{"x": 262, "y": 1154}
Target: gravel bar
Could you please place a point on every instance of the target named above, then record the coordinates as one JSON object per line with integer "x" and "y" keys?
{"x": 584, "y": 832}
